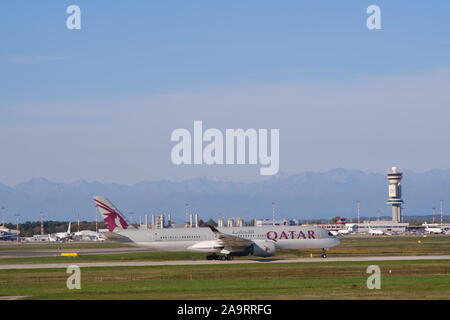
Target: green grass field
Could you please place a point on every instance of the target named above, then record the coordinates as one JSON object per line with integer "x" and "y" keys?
{"x": 330, "y": 280}
{"x": 131, "y": 256}
{"x": 374, "y": 246}
{"x": 324, "y": 280}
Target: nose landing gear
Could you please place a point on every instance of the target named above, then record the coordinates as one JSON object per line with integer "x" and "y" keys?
{"x": 324, "y": 253}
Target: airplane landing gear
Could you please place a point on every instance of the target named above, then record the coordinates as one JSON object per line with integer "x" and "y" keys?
{"x": 324, "y": 253}
{"x": 217, "y": 257}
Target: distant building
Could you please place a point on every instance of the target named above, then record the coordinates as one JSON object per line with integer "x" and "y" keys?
{"x": 231, "y": 222}
{"x": 38, "y": 238}
{"x": 267, "y": 222}
{"x": 331, "y": 226}
{"x": 341, "y": 221}
{"x": 384, "y": 225}
{"x": 7, "y": 234}
{"x": 160, "y": 221}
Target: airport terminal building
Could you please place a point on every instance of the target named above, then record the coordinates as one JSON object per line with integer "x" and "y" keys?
{"x": 383, "y": 225}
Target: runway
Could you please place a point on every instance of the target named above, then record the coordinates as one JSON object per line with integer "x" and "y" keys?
{"x": 56, "y": 252}
{"x": 215, "y": 262}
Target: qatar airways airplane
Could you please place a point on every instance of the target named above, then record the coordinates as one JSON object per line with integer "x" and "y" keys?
{"x": 222, "y": 244}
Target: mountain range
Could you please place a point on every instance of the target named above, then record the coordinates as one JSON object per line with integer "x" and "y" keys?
{"x": 308, "y": 195}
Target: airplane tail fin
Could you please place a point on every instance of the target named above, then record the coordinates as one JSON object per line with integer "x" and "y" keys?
{"x": 68, "y": 229}
{"x": 113, "y": 218}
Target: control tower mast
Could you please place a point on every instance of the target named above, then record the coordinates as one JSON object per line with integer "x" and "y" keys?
{"x": 395, "y": 193}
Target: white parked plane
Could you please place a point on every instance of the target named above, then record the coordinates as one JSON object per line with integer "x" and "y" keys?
{"x": 431, "y": 230}
{"x": 51, "y": 238}
{"x": 340, "y": 232}
{"x": 230, "y": 241}
{"x": 62, "y": 236}
{"x": 375, "y": 232}
{"x": 89, "y": 235}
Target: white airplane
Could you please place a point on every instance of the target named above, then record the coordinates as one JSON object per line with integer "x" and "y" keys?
{"x": 375, "y": 232}
{"x": 229, "y": 242}
{"x": 340, "y": 232}
{"x": 89, "y": 235}
{"x": 431, "y": 230}
{"x": 62, "y": 236}
{"x": 52, "y": 239}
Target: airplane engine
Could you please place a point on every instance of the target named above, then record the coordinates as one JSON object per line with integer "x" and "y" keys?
{"x": 263, "y": 248}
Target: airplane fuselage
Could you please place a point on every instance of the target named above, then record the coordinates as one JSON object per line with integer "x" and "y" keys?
{"x": 203, "y": 239}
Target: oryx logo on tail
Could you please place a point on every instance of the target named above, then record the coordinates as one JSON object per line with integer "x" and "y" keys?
{"x": 111, "y": 215}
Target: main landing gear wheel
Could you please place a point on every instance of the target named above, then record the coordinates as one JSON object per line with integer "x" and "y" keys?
{"x": 324, "y": 253}
{"x": 217, "y": 257}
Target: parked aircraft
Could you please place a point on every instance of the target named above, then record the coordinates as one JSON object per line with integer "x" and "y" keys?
{"x": 64, "y": 236}
{"x": 430, "y": 230}
{"x": 376, "y": 232}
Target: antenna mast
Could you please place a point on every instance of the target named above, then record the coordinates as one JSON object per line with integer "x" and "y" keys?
{"x": 273, "y": 213}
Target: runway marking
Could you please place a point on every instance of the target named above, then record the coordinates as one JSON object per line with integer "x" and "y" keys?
{"x": 215, "y": 262}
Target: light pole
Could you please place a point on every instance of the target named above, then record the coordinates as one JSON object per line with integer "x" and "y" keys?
{"x": 273, "y": 213}
{"x": 17, "y": 224}
{"x": 358, "y": 210}
{"x": 186, "y": 212}
{"x": 3, "y": 215}
{"x": 434, "y": 212}
{"x": 42, "y": 223}
{"x": 78, "y": 218}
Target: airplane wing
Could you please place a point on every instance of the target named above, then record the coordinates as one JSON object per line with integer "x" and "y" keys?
{"x": 229, "y": 241}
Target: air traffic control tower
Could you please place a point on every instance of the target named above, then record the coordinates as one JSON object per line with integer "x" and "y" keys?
{"x": 395, "y": 193}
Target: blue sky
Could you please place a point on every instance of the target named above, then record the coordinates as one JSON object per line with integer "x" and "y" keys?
{"x": 342, "y": 96}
